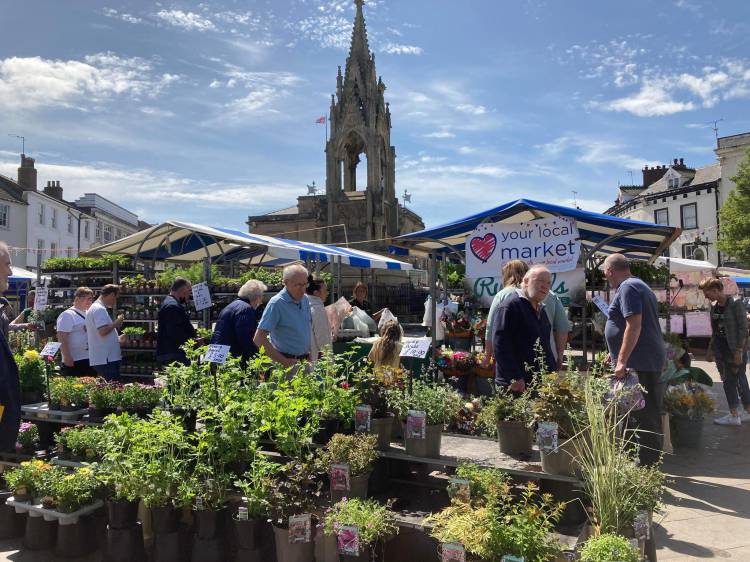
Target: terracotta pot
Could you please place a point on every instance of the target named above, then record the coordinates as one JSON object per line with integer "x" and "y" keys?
{"x": 383, "y": 428}
{"x": 358, "y": 488}
{"x": 122, "y": 514}
{"x": 285, "y": 552}
{"x": 515, "y": 439}
{"x": 561, "y": 462}
{"x": 428, "y": 447}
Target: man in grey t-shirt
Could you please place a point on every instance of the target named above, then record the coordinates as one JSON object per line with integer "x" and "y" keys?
{"x": 635, "y": 342}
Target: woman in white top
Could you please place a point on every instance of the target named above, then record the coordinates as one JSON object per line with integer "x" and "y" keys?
{"x": 317, "y": 293}
{"x": 71, "y": 333}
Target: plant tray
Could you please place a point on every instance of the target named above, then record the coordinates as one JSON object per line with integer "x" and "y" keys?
{"x": 22, "y": 457}
{"x": 69, "y": 464}
{"x": 42, "y": 411}
{"x": 36, "y": 510}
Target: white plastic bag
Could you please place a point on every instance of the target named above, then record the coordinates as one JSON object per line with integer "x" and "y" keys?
{"x": 362, "y": 316}
{"x": 336, "y": 312}
{"x": 386, "y": 316}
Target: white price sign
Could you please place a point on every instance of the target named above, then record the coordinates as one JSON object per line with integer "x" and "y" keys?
{"x": 417, "y": 347}
{"x": 201, "y": 296}
{"x": 601, "y": 304}
{"x": 50, "y": 349}
{"x": 42, "y": 294}
{"x": 216, "y": 354}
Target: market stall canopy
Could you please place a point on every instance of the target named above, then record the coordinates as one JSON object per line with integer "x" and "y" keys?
{"x": 599, "y": 233}
{"x": 187, "y": 242}
{"x": 742, "y": 282}
{"x": 683, "y": 265}
{"x": 22, "y": 274}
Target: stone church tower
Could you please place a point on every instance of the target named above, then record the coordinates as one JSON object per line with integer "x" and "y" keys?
{"x": 360, "y": 124}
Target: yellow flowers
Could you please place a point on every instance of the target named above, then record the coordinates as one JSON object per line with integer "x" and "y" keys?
{"x": 31, "y": 355}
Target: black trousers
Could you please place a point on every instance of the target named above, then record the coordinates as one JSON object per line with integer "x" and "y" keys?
{"x": 648, "y": 420}
{"x": 80, "y": 368}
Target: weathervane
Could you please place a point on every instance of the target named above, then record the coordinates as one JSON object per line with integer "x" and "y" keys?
{"x": 23, "y": 142}
{"x": 407, "y": 197}
{"x": 312, "y": 189}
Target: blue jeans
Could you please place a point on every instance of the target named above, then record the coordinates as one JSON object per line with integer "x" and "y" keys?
{"x": 109, "y": 371}
{"x": 733, "y": 377}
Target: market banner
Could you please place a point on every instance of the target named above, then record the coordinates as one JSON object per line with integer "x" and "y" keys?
{"x": 549, "y": 241}
{"x": 569, "y": 286}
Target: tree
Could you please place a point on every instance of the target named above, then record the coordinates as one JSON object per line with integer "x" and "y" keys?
{"x": 734, "y": 230}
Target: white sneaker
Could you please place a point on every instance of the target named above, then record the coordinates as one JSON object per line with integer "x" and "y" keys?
{"x": 744, "y": 416}
{"x": 729, "y": 419}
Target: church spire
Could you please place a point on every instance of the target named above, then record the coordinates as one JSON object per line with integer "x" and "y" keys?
{"x": 359, "y": 50}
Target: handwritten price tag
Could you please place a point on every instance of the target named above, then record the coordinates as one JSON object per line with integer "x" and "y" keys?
{"x": 216, "y": 354}
{"x": 40, "y": 302}
{"x": 417, "y": 348}
{"x": 601, "y": 304}
{"x": 50, "y": 349}
{"x": 201, "y": 296}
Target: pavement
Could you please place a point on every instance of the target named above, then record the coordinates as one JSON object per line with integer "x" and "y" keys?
{"x": 707, "y": 506}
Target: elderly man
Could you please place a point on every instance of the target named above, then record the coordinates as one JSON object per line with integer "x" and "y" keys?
{"x": 238, "y": 321}
{"x": 105, "y": 355}
{"x": 10, "y": 390}
{"x": 286, "y": 326}
{"x": 519, "y": 324}
{"x": 175, "y": 327}
{"x": 71, "y": 333}
{"x": 635, "y": 342}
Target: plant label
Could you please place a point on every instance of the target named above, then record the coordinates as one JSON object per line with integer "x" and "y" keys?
{"x": 416, "y": 425}
{"x": 453, "y": 552}
{"x": 641, "y": 525}
{"x": 201, "y": 296}
{"x": 601, "y": 304}
{"x": 417, "y": 348}
{"x": 546, "y": 437}
{"x": 242, "y": 513}
{"x": 511, "y": 558}
{"x": 199, "y": 504}
{"x": 363, "y": 418}
{"x": 340, "y": 478}
{"x": 459, "y": 489}
{"x": 42, "y": 295}
{"x": 216, "y": 354}
{"x": 50, "y": 349}
{"x": 347, "y": 540}
{"x": 300, "y": 528}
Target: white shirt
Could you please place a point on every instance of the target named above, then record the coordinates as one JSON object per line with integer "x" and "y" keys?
{"x": 102, "y": 350}
{"x": 73, "y": 323}
{"x": 321, "y": 329}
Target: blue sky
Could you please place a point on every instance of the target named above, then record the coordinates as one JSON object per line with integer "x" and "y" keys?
{"x": 205, "y": 111}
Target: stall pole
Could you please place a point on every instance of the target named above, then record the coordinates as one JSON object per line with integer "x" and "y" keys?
{"x": 338, "y": 279}
{"x": 207, "y": 279}
{"x": 433, "y": 301}
{"x": 668, "y": 295}
{"x": 584, "y": 317}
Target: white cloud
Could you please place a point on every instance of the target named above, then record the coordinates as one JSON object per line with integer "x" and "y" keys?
{"x": 398, "y": 49}
{"x": 650, "y": 101}
{"x": 129, "y": 18}
{"x": 440, "y": 135}
{"x": 328, "y": 30}
{"x": 593, "y": 152}
{"x": 33, "y": 82}
{"x": 157, "y": 112}
{"x": 186, "y": 20}
{"x": 467, "y": 150}
{"x": 472, "y": 109}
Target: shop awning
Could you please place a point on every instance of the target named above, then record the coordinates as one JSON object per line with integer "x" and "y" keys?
{"x": 742, "y": 282}
{"x": 186, "y": 242}
{"x": 684, "y": 265}
{"x": 601, "y": 233}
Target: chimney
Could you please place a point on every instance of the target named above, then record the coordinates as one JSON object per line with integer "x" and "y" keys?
{"x": 682, "y": 161}
{"x": 27, "y": 173}
{"x": 653, "y": 174}
{"x": 54, "y": 190}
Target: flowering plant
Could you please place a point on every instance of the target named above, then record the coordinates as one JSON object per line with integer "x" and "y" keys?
{"x": 689, "y": 400}
{"x": 358, "y": 451}
{"x": 75, "y": 490}
{"x": 30, "y": 479}
{"x": 373, "y": 521}
{"x": 28, "y": 437}
{"x": 30, "y": 371}
{"x": 461, "y": 360}
{"x": 70, "y": 392}
{"x": 458, "y": 322}
{"x": 81, "y": 441}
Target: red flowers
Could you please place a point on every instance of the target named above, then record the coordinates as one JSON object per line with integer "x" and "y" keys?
{"x": 345, "y": 385}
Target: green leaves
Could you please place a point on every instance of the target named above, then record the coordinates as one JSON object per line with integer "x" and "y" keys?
{"x": 673, "y": 375}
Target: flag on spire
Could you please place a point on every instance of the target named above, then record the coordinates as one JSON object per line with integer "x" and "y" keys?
{"x": 321, "y": 120}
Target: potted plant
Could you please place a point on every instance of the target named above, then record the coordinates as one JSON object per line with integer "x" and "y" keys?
{"x": 255, "y": 487}
{"x": 458, "y": 330}
{"x": 31, "y": 376}
{"x": 359, "y": 454}
{"x": 374, "y": 388}
{"x": 514, "y": 418}
{"x": 27, "y": 441}
{"x": 104, "y": 399}
{"x": 688, "y": 403}
{"x": 608, "y": 547}
{"x": 28, "y": 480}
{"x": 70, "y": 393}
{"x": 81, "y": 443}
{"x": 359, "y": 526}
{"x": 296, "y": 492}
{"x": 439, "y": 403}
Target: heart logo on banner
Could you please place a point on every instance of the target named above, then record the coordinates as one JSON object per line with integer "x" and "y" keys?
{"x": 484, "y": 247}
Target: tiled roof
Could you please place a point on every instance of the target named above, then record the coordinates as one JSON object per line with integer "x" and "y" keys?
{"x": 9, "y": 189}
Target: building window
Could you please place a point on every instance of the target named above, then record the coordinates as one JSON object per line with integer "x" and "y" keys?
{"x": 661, "y": 216}
{"x": 119, "y": 234}
{"x": 40, "y": 250}
{"x": 86, "y": 231}
{"x": 70, "y": 252}
{"x": 4, "y": 216}
{"x": 108, "y": 233}
{"x": 693, "y": 252}
{"x": 41, "y": 213}
{"x": 70, "y": 223}
{"x": 54, "y": 218}
{"x": 53, "y": 249}
{"x": 98, "y": 231}
{"x": 689, "y": 216}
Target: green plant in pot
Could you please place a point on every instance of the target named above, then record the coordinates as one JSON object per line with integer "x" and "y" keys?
{"x": 688, "y": 403}
{"x": 374, "y": 389}
{"x": 360, "y": 526}
{"x": 255, "y": 487}
{"x": 104, "y": 398}
{"x": 31, "y": 376}
{"x": 609, "y": 547}
{"x": 76, "y": 490}
{"x": 81, "y": 443}
{"x": 296, "y": 493}
{"x": 28, "y": 438}
{"x": 349, "y": 460}
{"x": 438, "y": 402}
{"x": 70, "y": 393}
{"x": 29, "y": 480}
{"x": 513, "y": 417}
{"x": 133, "y": 333}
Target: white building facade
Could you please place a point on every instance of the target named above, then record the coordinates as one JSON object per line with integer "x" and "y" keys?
{"x": 111, "y": 222}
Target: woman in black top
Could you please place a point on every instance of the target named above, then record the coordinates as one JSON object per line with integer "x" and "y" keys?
{"x": 360, "y": 298}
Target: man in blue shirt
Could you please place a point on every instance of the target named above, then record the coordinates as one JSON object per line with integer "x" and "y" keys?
{"x": 238, "y": 321}
{"x": 635, "y": 342}
{"x": 286, "y": 326}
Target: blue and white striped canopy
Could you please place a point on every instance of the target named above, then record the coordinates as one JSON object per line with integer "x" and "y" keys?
{"x": 187, "y": 242}
{"x": 636, "y": 239}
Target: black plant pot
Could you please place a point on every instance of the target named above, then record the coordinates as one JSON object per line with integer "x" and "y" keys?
{"x": 75, "y": 540}
{"x": 12, "y": 524}
{"x": 247, "y": 533}
{"x": 122, "y": 514}
{"x": 167, "y": 547}
{"x": 40, "y": 534}
{"x": 165, "y": 520}
{"x": 208, "y": 550}
{"x": 32, "y": 397}
{"x": 328, "y": 428}
{"x": 124, "y": 545}
{"x": 98, "y": 414}
{"x": 207, "y": 523}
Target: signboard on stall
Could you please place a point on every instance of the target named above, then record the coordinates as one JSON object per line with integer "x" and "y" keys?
{"x": 567, "y": 285}
{"x": 553, "y": 242}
